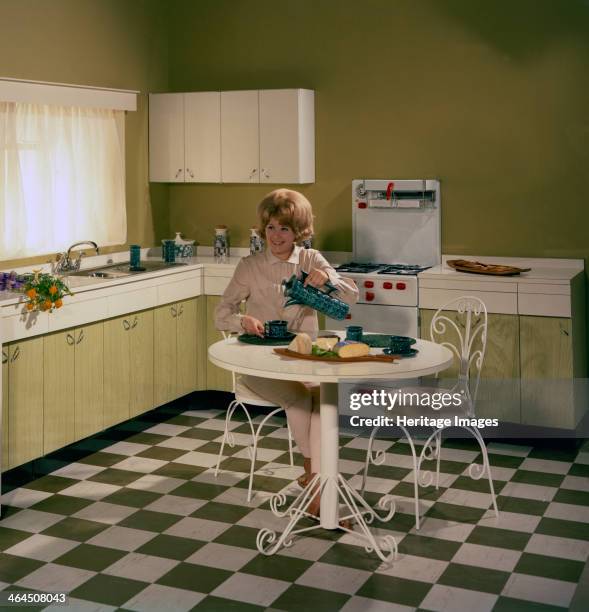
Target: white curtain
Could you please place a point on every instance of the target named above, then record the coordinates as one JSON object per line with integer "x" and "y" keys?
{"x": 62, "y": 178}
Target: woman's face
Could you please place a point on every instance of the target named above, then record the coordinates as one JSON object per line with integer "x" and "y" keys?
{"x": 280, "y": 239}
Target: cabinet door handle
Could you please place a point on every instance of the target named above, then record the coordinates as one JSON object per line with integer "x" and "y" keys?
{"x": 564, "y": 331}
{"x": 181, "y": 310}
{"x": 80, "y": 337}
{"x": 178, "y": 173}
{"x": 4, "y": 356}
{"x": 174, "y": 311}
{"x": 70, "y": 340}
{"x": 135, "y": 321}
{"x": 252, "y": 173}
{"x": 126, "y": 325}
{"x": 16, "y": 353}
{"x": 265, "y": 173}
{"x": 189, "y": 171}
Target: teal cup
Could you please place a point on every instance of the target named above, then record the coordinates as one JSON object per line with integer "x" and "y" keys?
{"x": 275, "y": 329}
{"x": 354, "y": 332}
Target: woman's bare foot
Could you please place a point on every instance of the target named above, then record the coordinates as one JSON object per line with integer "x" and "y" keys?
{"x": 305, "y": 479}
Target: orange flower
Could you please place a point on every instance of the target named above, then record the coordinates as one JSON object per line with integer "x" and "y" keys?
{"x": 32, "y": 293}
{"x": 58, "y": 303}
{"x": 47, "y": 304}
{"x": 53, "y": 290}
{"x": 30, "y": 306}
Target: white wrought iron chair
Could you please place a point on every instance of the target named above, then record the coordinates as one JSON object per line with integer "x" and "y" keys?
{"x": 244, "y": 395}
{"x": 472, "y": 319}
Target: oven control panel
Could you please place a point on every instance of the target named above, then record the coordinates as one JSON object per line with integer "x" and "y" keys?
{"x": 387, "y": 289}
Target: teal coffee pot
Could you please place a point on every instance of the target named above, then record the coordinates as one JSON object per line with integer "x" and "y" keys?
{"x": 296, "y": 293}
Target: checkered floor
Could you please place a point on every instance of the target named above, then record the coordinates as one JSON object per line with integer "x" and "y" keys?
{"x": 134, "y": 519}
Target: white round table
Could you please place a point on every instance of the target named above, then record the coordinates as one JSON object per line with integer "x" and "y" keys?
{"x": 262, "y": 361}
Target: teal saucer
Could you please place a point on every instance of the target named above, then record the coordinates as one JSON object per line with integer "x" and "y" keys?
{"x": 253, "y": 339}
{"x": 406, "y": 353}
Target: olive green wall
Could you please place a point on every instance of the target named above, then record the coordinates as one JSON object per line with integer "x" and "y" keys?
{"x": 106, "y": 43}
{"x": 491, "y": 97}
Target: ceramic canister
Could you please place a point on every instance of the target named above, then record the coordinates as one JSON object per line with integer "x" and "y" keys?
{"x": 221, "y": 246}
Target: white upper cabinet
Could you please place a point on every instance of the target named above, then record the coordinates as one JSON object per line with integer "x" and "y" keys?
{"x": 287, "y": 136}
{"x": 240, "y": 145}
{"x": 166, "y": 137}
{"x": 185, "y": 137}
{"x": 254, "y": 136}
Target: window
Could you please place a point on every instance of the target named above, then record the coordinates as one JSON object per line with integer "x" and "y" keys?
{"x": 62, "y": 178}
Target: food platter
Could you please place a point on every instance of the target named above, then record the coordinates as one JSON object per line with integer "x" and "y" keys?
{"x": 266, "y": 340}
{"x": 384, "y": 358}
{"x": 476, "y": 267}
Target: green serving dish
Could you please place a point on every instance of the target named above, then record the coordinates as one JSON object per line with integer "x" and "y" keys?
{"x": 253, "y": 339}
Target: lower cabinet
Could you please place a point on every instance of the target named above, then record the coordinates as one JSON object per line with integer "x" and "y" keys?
{"x": 218, "y": 379}
{"x": 4, "y": 440}
{"x": 25, "y": 400}
{"x": 128, "y": 366}
{"x": 175, "y": 353}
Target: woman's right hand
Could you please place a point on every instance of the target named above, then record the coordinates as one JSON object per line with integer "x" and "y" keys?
{"x": 253, "y": 326}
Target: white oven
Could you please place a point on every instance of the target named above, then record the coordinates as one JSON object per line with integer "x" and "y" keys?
{"x": 396, "y": 235}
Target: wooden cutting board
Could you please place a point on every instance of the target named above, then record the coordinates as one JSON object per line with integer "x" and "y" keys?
{"x": 287, "y": 353}
{"x": 476, "y": 267}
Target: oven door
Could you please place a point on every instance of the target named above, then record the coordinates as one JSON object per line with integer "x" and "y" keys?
{"x": 395, "y": 320}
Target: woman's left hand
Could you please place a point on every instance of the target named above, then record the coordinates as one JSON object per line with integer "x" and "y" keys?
{"x": 317, "y": 278}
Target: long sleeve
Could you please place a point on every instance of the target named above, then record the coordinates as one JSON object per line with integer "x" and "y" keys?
{"x": 347, "y": 291}
{"x": 227, "y": 317}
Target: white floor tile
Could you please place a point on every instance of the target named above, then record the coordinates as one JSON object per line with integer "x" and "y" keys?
{"x": 514, "y": 450}
{"x": 540, "y": 589}
{"x": 126, "y": 448}
{"x": 52, "y": 577}
{"x": 198, "y": 459}
{"x": 32, "y": 520}
{"x": 576, "y": 483}
{"x": 80, "y": 605}
{"x": 487, "y": 556}
{"x": 347, "y": 466}
{"x": 511, "y": 520}
{"x": 224, "y": 478}
{"x": 176, "y": 504}
{"x": 166, "y": 429}
{"x": 136, "y": 566}
{"x": 79, "y": 471}
{"x": 210, "y": 413}
{"x": 197, "y": 529}
{"x": 502, "y": 473}
{"x": 103, "y": 512}
{"x": 334, "y": 578}
{"x": 140, "y": 464}
{"x": 568, "y": 512}
{"x": 364, "y": 604}
{"x": 23, "y": 498}
{"x": 90, "y": 490}
{"x": 446, "y": 530}
{"x": 155, "y": 483}
{"x": 452, "y": 599}
{"x": 157, "y": 597}
{"x": 122, "y": 538}
{"x": 41, "y": 547}
{"x": 460, "y": 497}
{"x": 545, "y": 465}
{"x": 361, "y": 443}
{"x": 567, "y": 548}
{"x": 414, "y": 568}
{"x": 306, "y": 548}
{"x": 180, "y": 443}
{"x": 373, "y": 484}
{"x": 582, "y": 457}
{"x": 219, "y": 425}
{"x": 226, "y": 557}
{"x": 251, "y": 589}
{"x": 259, "y": 518}
{"x": 529, "y": 491}
{"x": 263, "y": 454}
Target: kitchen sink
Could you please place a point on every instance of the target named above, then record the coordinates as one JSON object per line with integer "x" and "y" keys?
{"x": 121, "y": 270}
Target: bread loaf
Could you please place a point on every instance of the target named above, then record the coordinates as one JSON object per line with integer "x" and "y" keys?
{"x": 327, "y": 343}
{"x": 350, "y": 348}
{"x": 302, "y": 344}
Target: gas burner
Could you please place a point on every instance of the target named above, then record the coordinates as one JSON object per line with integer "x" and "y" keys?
{"x": 359, "y": 268}
{"x": 402, "y": 269}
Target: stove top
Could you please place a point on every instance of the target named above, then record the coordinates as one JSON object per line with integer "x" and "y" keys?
{"x": 368, "y": 268}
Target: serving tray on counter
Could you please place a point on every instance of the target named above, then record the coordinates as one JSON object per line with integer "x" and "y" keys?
{"x": 287, "y": 353}
{"x": 476, "y": 267}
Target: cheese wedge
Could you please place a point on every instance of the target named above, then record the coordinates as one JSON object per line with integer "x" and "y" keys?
{"x": 302, "y": 344}
{"x": 327, "y": 343}
{"x": 350, "y": 348}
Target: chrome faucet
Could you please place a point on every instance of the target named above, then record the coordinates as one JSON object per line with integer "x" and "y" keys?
{"x": 65, "y": 262}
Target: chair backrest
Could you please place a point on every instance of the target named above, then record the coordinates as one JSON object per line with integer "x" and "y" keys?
{"x": 465, "y": 334}
{"x": 226, "y": 336}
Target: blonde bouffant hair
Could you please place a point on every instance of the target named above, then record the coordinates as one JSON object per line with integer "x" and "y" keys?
{"x": 290, "y": 208}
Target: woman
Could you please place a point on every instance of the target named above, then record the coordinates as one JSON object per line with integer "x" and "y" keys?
{"x": 285, "y": 219}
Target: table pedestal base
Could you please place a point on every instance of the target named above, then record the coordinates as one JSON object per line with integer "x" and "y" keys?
{"x": 359, "y": 512}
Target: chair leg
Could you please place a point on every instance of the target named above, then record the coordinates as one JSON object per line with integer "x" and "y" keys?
{"x": 254, "y": 451}
{"x": 415, "y": 477}
{"x": 376, "y": 459}
{"x": 486, "y": 467}
{"x": 438, "y": 456}
{"x": 290, "y": 445}
{"x": 227, "y": 435}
